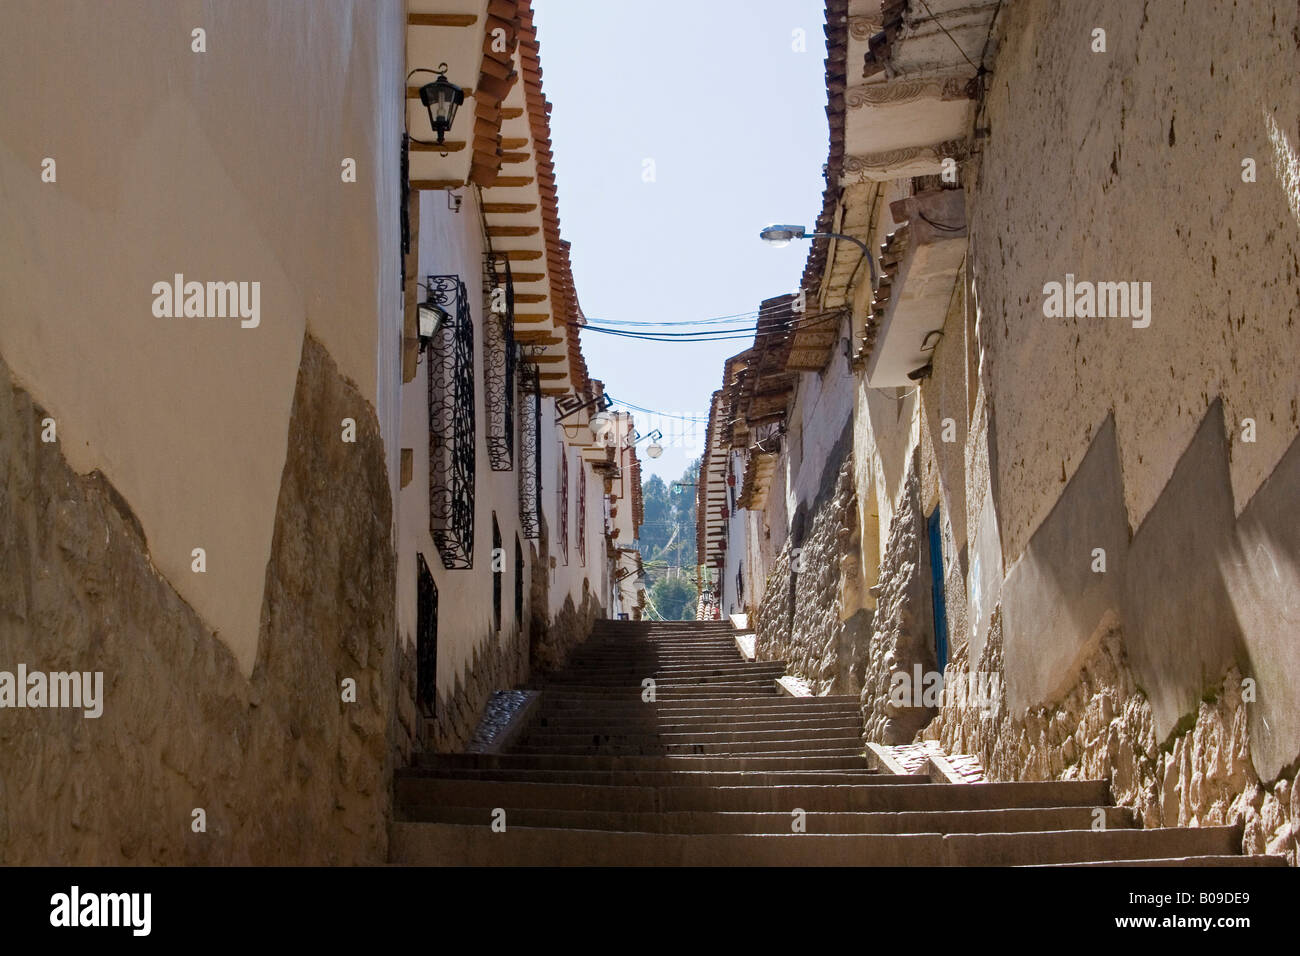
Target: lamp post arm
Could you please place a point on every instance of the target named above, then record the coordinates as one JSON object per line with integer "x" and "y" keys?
{"x": 871, "y": 260}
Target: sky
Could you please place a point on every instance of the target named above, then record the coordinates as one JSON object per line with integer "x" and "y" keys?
{"x": 733, "y": 118}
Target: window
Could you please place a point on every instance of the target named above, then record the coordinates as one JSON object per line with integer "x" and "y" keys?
{"x": 563, "y": 510}
{"x": 582, "y": 513}
{"x": 451, "y": 426}
{"x": 426, "y": 638}
{"x": 499, "y": 363}
{"x": 530, "y": 452}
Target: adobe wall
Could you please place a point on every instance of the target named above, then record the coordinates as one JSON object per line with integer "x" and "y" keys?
{"x": 286, "y": 770}
{"x": 1106, "y": 438}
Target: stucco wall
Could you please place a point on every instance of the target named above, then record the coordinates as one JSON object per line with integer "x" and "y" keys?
{"x": 1143, "y": 186}
{"x": 222, "y": 166}
{"x": 474, "y": 658}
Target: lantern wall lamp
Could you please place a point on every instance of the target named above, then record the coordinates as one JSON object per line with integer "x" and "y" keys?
{"x": 441, "y": 98}
{"x": 780, "y": 235}
{"x": 432, "y": 317}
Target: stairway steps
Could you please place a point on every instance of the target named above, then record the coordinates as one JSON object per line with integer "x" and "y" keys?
{"x": 437, "y": 842}
{"x": 700, "y": 821}
{"x": 556, "y": 737}
{"x": 678, "y": 777}
{"x": 705, "y": 724}
{"x": 712, "y": 771}
{"x": 607, "y": 762}
{"x": 876, "y": 795}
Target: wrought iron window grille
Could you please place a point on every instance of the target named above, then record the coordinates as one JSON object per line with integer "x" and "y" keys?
{"x": 451, "y": 425}
{"x": 582, "y": 514}
{"x": 563, "y": 503}
{"x": 530, "y": 452}
{"x": 499, "y": 362}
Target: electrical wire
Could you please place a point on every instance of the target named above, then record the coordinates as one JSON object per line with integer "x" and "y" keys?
{"x": 720, "y": 335}
{"x": 949, "y": 36}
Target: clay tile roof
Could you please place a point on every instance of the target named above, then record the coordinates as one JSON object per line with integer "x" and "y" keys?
{"x": 837, "y": 49}
{"x": 564, "y": 296}
{"x": 496, "y": 78}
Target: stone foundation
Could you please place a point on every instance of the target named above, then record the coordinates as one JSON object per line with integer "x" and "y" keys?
{"x": 803, "y": 618}
{"x": 284, "y": 770}
{"x": 903, "y": 635}
{"x": 500, "y": 662}
{"x": 1101, "y": 727}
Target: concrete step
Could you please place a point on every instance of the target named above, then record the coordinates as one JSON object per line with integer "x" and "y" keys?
{"x": 676, "y": 777}
{"x": 878, "y": 795}
{"x": 1197, "y": 861}
{"x": 699, "y": 707}
{"x": 573, "y": 762}
{"x": 688, "y": 821}
{"x": 664, "y": 671}
{"x": 456, "y": 844}
{"x": 577, "y": 725}
{"x": 651, "y": 746}
{"x": 558, "y": 737}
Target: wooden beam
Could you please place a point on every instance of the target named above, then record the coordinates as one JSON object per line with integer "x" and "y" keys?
{"x": 528, "y": 277}
{"x": 441, "y": 19}
{"x": 413, "y": 92}
{"x": 536, "y": 337}
{"x": 512, "y": 230}
{"x": 514, "y": 142}
{"x": 511, "y": 182}
{"x": 511, "y": 159}
{"x": 521, "y": 255}
{"x": 553, "y": 376}
{"x": 450, "y": 146}
{"x": 547, "y": 359}
{"x": 511, "y": 112}
{"x": 531, "y": 318}
{"x": 507, "y": 208}
{"x": 437, "y": 183}
{"x": 529, "y": 298}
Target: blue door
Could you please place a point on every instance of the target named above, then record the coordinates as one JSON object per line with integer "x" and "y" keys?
{"x": 936, "y": 591}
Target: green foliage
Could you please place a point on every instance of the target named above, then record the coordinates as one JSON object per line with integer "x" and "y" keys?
{"x": 668, "y": 543}
{"x": 674, "y": 598}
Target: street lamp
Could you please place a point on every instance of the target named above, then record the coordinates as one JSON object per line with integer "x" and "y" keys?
{"x": 777, "y": 235}
{"x": 600, "y": 424}
{"x": 654, "y": 449}
{"x": 441, "y": 98}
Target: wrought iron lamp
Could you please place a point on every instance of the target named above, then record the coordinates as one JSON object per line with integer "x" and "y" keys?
{"x": 432, "y": 317}
{"x": 441, "y": 98}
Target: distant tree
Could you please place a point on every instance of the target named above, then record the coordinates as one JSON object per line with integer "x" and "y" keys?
{"x": 668, "y": 543}
{"x": 674, "y": 599}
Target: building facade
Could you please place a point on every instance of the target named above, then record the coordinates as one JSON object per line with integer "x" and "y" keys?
{"x": 291, "y": 539}
{"x": 1040, "y": 443}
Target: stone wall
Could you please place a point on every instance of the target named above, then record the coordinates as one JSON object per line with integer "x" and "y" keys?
{"x": 500, "y": 662}
{"x": 808, "y": 616}
{"x": 551, "y": 639}
{"x": 1101, "y": 727}
{"x": 284, "y": 769}
{"x": 903, "y": 632}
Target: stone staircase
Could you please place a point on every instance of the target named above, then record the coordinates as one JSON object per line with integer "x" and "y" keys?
{"x": 721, "y": 768}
